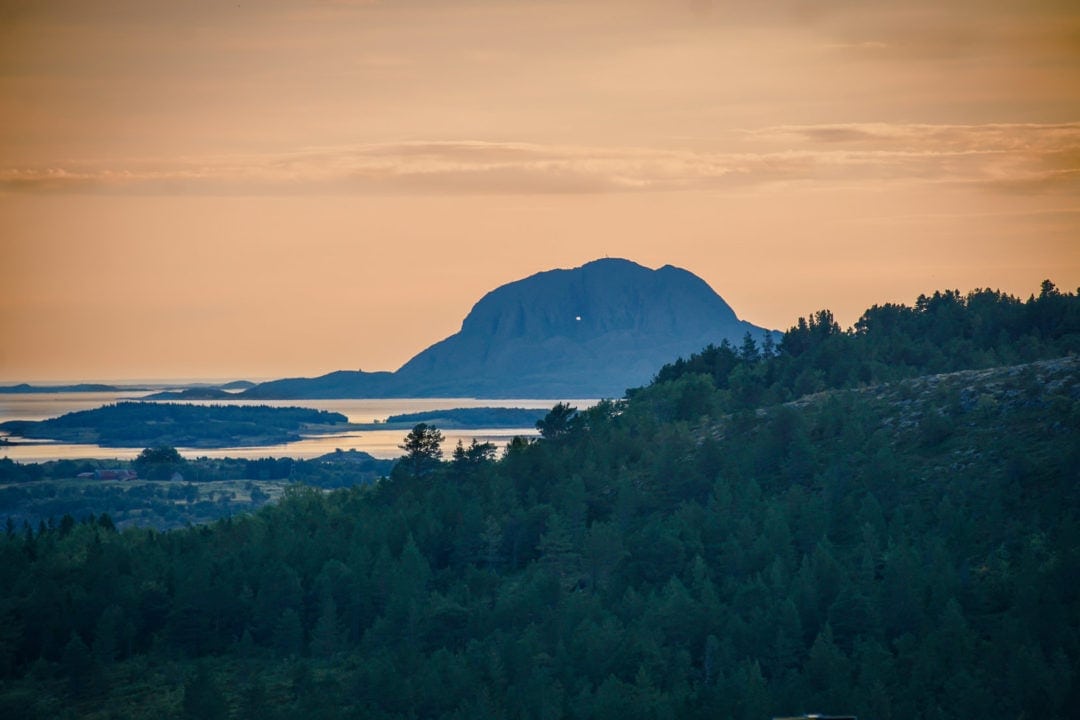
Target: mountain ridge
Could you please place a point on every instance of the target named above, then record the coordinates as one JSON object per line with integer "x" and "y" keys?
{"x": 589, "y": 331}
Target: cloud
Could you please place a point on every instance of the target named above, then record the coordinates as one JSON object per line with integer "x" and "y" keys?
{"x": 987, "y": 136}
{"x": 1040, "y": 158}
{"x": 1005, "y": 156}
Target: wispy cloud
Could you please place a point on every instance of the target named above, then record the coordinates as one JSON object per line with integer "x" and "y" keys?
{"x": 1025, "y": 157}
{"x": 1016, "y": 157}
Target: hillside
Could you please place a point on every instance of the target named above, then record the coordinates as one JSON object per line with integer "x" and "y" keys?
{"x": 592, "y": 331}
{"x": 903, "y": 548}
{"x": 881, "y": 563}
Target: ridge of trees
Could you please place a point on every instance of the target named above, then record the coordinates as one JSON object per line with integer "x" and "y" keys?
{"x": 942, "y": 332}
{"x": 909, "y": 551}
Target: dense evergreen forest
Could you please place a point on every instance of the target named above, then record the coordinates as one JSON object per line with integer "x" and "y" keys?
{"x": 941, "y": 333}
{"x": 882, "y": 521}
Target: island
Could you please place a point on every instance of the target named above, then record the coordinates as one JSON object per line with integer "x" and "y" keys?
{"x": 201, "y": 391}
{"x": 491, "y": 418}
{"x": 145, "y": 424}
{"x": 212, "y": 391}
{"x": 134, "y": 424}
{"x": 191, "y": 393}
{"x": 27, "y": 389}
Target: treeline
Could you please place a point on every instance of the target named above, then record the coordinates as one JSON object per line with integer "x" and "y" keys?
{"x": 180, "y": 492}
{"x": 141, "y": 424}
{"x": 159, "y": 506}
{"x": 333, "y": 470}
{"x": 834, "y": 557}
{"x": 907, "y": 551}
{"x": 943, "y": 332}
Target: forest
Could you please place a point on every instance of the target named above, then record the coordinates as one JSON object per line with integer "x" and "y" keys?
{"x": 881, "y": 521}
{"x": 169, "y": 491}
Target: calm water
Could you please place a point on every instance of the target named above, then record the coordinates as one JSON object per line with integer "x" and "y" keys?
{"x": 380, "y": 443}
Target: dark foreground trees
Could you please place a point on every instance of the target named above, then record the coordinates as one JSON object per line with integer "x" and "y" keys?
{"x": 943, "y": 332}
{"x": 658, "y": 559}
{"x": 423, "y": 450}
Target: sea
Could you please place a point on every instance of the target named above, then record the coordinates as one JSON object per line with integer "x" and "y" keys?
{"x": 379, "y": 443}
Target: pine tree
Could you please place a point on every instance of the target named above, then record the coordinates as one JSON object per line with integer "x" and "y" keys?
{"x": 328, "y": 636}
{"x": 559, "y": 554}
{"x": 203, "y": 698}
{"x": 80, "y": 667}
{"x": 423, "y": 449}
{"x": 289, "y": 633}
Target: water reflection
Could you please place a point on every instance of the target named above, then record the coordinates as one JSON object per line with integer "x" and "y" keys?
{"x": 379, "y": 443}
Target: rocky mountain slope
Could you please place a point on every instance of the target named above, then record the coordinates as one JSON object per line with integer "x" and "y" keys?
{"x": 591, "y": 331}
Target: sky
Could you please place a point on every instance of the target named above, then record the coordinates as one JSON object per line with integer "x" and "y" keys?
{"x": 286, "y": 188}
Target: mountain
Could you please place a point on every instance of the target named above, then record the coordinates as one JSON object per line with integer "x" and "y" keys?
{"x": 592, "y": 331}
{"x": 338, "y": 384}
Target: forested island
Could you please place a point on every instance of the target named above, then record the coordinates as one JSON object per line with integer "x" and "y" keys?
{"x": 882, "y": 521}
{"x": 457, "y": 418}
{"x": 142, "y": 424}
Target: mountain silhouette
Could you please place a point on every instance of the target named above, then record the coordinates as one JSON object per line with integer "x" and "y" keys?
{"x": 592, "y": 331}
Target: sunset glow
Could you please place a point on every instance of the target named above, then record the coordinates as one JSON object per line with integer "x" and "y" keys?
{"x": 287, "y": 188}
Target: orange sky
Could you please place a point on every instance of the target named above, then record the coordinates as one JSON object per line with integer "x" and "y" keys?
{"x": 291, "y": 187}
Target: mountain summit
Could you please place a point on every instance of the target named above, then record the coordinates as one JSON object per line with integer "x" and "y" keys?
{"x": 591, "y": 331}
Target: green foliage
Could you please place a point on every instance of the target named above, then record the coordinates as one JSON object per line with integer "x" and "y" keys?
{"x": 944, "y": 332}
{"x": 163, "y": 455}
{"x": 80, "y": 668}
{"x": 557, "y": 422}
{"x": 203, "y": 699}
{"x": 423, "y": 450}
{"x": 210, "y": 489}
{"x": 159, "y": 463}
{"x": 654, "y": 558}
